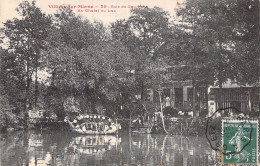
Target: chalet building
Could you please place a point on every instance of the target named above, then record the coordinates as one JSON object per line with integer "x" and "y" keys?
{"x": 179, "y": 95}
{"x": 243, "y": 98}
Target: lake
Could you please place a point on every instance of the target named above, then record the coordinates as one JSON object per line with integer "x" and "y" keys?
{"x": 57, "y": 148}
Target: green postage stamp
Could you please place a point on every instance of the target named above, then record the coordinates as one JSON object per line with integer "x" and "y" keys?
{"x": 240, "y": 141}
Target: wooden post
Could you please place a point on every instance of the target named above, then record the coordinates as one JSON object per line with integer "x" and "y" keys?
{"x": 130, "y": 122}
{"x": 160, "y": 97}
{"x": 193, "y": 99}
{"x": 249, "y": 101}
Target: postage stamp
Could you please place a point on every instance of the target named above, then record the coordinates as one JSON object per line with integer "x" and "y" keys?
{"x": 240, "y": 141}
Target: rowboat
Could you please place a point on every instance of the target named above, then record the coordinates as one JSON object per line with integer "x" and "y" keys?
{"x": 93, "y": 124}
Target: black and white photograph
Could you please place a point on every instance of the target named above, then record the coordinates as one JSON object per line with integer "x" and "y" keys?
{"x": 129, "y": 82}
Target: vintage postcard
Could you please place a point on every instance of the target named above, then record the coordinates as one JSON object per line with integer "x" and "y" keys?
{"x": 129, "y": 82}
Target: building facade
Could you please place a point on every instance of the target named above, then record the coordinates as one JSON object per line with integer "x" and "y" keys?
{"x": 179, "y": 95}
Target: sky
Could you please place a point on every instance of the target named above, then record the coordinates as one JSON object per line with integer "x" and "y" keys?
{"x": 7, "y": 8}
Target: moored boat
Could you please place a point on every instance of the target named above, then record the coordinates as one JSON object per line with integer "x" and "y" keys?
{"x": 93, "y": 124}
{"x": 140, "y": 126}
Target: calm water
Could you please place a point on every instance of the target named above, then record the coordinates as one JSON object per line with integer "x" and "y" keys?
{"x": 57, "y": 148}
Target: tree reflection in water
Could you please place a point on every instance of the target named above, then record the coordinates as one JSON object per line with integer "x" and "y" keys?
{"x": 62, "y": 148}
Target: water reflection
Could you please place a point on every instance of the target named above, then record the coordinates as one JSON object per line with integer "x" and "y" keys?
{"x": 58, "y": 148}
{"x": 92, "y": 145}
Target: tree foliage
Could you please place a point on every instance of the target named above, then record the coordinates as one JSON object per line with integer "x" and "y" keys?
{"x": 103, "y": 68}
{"x": 143, "y": 34}
{"x": 213, "y": 36}
{"x": 26, "y": 37}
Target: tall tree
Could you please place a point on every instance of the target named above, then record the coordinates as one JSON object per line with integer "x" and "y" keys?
{"x": 246, "y": 59}
{"x": 12, "y": 79}
{"x": 151, "y": 26}
{"x": 143, "y": 34}
{"x": 83, "y": 61}
{"x": 26, "y": 37}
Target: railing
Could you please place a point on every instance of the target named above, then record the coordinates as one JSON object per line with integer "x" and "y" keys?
{"x": 41, "y": 123}
{"x": 36, "y": 120}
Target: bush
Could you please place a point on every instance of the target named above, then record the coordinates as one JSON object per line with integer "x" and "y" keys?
{"x": 7, "y": 118}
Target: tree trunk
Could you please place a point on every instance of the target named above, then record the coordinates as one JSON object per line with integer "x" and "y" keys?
{"x": 220, "y": 103}
{"x": 130, "y": 122}
{"x": 160, "y": 96}
{"x": 53, "y": 76}
{"x": 36, "y": 80}
{"x": 194, "y": 72}
{"x": 193, "y": 97}
{"x": 27, "y": 90}
{"x": 142, "y": 92}
{"x": 220, "y": 70}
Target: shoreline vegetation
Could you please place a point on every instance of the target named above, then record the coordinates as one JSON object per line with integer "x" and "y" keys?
{"x": 182, "y": 127}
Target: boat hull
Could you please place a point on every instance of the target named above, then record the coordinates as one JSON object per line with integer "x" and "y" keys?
{"x": 89, "y": 132}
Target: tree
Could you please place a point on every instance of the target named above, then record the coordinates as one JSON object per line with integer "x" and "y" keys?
{"x": 151, "y": 26}
{"x": 77, "y": 32}
{"x": 12, "y": 79}
{"x": 246, "y": 59}
{"x": 104, "y": 69}
{"x": 143, "y": 34}
{"x": 86, "y": 65}
{"x": 26, "y": 37}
